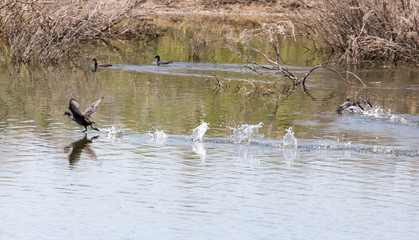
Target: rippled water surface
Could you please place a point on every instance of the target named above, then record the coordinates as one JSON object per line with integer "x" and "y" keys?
{"x": 180, "y": 156}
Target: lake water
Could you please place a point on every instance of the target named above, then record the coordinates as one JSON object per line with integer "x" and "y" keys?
{"x": 179, "y": 158}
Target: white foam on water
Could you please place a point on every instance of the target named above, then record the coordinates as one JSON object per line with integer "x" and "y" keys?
{"x": 157, "y": 135}
{"x": 379, "y": 113}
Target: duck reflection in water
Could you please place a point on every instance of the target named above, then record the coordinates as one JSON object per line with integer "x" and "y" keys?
{"x": 80, "y": 146}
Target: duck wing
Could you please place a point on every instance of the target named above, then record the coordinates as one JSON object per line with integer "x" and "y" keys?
{"x": 365, "y": 102}
{"x": 92, "y": 108}
{"x": 345, "y": 105}
{"x": 74, "y": 107}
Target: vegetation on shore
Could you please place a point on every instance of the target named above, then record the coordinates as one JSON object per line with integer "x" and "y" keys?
{"x": 358, "y": 30}
{"x": 361, "y": 30}
{"x": 45, "y": 31}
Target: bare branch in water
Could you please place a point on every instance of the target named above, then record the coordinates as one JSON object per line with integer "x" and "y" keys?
{"x": 264, "y": 41}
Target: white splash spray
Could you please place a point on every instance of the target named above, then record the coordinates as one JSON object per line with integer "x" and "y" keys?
{"x": 198, "y": 132}
{"x": 114, "y": 132}
{"x": 157, "y": 135}
{"x": 245, "y": 133}
{"x": 379, "y": 113}
{"x": 289, "y": 140}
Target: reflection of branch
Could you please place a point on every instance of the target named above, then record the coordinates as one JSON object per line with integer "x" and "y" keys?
{"x": 307, "y": 93}
{"x": 288, "y": 93}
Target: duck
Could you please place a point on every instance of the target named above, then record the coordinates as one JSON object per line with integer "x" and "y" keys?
{"x": 353, "y": 106}
{"x": 82, "y": 118}
{"x": 100, "y": 65}
{"x": 164, "y": 62}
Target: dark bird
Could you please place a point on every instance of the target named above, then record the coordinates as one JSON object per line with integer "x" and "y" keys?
{"x": 82, "y": 118}
{"x": 100, "y": 65}
{"x": 164, "y": 62}
{"x": 353, "y": 106}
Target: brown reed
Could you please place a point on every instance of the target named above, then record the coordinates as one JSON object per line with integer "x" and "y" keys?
{"x": 360, "y": 30}
{"x": 46, "y": 31}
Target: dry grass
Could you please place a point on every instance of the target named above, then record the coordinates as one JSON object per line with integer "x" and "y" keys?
{"x": 361, "y": 30}
{"x": 46, "y": 31}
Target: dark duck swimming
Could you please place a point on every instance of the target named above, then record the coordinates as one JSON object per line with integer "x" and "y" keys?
{"x": 100, "y": 65}
{"x": 163, "y": 62}
{"x": 348, "y": 105}
{"x": 82, "y": 118}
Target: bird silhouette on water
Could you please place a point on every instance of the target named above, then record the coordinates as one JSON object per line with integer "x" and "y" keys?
{"x": 82, "y": 118}
{"x": 100, "y": 65}
{"x": 349, "y": 105}
{"x": 163, "y": 62}
{"x": 79, "y": 147}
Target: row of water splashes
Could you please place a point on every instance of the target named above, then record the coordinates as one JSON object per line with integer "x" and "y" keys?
{"x": 247, "y": 134}
{"x": 242, "y": 134}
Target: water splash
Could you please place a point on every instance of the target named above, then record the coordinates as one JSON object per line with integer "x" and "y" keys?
{"x": 379, "y": 113}
{"x": 376, "y": 112}
{"x": 114, "y": 132}
{"x": 246, "y": 155}
{"x": 245, "y": 132}
{"x": 290, "y": 154}
{"x": 199, "y": 149}
{"x": 289, "y": 141}
{"x": 198, "y": 132}
{"x": 401, "y": 120}
{"x": 352, "y": 110}
{"x": 157, "y": 135}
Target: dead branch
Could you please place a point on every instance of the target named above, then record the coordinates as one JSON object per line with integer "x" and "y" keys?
{"x": 265, "y": 42}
